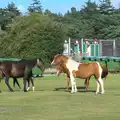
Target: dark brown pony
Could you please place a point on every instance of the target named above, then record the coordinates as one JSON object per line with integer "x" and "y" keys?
{"x": 74, "y": 69}
{"x": 18, "y": 69}
{"x": 61, "y": 70}
{"x": 15, "y": 81}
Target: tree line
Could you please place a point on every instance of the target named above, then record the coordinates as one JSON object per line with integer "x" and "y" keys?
{"x": 41, "y": 33}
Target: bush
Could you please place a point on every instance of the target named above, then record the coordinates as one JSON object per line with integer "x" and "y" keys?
{"x": 33, "y": 36}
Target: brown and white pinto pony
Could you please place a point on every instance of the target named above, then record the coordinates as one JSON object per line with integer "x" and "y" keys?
{"x": 74, "y": 69}
{"x": 86, "y": 83}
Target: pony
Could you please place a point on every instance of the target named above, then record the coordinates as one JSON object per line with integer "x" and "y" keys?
{"x": 74, "y": 70}
{"x": 18, "y": 69}
{"x": 15, "y": 81}
{"x": 86, "y": 83}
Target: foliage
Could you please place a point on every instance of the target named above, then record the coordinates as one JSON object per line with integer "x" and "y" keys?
{"x": 92, "y": 21}
{"x": 7, "y": 14}
{"x": 42, "y": 33}
{"x": 33, "y": 36}
{"x": 35, "y": 7}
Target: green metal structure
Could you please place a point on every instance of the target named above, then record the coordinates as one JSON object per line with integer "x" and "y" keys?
{"x": 113, "y": 63}
{"x": 95, "y": 49}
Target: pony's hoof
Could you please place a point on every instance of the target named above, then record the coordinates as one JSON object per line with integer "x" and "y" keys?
{"x": 25, "y": 91}
{"x": 12, "y": 90}
{"x": 72, "y": 92}
{"x": 96, "y": 93}
{"x": 67, "y": 89}
{"x": 28, "y": 88}
{"x": 102, "y": 93}
{"x": 86, "y": 88}
{"x": 76, "y": 91}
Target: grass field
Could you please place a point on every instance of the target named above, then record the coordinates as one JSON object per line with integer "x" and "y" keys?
{"x": 47, "y": 103}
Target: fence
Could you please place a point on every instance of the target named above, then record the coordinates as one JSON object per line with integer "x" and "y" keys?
{"x": 91, "y": 47}
{"x": 99, "y": 48}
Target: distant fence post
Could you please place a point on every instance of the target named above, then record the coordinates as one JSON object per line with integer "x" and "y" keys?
{"x": 114, "y": 48}
{"x": 101, "y": 48}
{"x": 82, "y": 45}
{"x": 69, "y": 47}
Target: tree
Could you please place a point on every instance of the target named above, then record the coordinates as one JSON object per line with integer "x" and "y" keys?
{"x": 47, "y": 12}
{"x": 33, "y": 36}
{"x": 3, "y": 19}
{"x": 12, "y": 10}
{"x": 73, "y": 10}
{"x": 106, "y": 7}
{"x": 8, "y": 14}
{"x": 35, "y": 7}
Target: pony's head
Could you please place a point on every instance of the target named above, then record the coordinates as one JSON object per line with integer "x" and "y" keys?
{"x": 40, "y": 64}
{"x": 58, "y": 59}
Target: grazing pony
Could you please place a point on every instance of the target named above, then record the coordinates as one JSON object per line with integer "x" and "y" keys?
{"x": 104, "y": 75}
{"x": 74, "y": 69}
{"x": 18, "y": 69}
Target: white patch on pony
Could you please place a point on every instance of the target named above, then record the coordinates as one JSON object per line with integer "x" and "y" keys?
{"x": 58, "y": 72}
{"x": 100, "y": 81}
{"x": 72, "y": 65}
{"x": 33, "y": 88}
{"x": 28, "y": 88}
{"x": 52, "y": 62}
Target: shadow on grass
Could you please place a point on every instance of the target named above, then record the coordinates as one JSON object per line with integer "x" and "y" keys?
{"x": 80, "y": 89}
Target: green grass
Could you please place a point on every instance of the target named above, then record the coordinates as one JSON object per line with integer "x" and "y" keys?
{"x": 47, "y": 104}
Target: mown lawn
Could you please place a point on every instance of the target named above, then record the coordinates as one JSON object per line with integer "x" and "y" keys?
{"x": 47, "y": 103}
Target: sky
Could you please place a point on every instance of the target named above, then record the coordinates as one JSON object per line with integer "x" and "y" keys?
{"x": 55, "y": 6}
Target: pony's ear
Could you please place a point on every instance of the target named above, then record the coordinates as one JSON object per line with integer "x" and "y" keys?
{"x": 60, "y": 53}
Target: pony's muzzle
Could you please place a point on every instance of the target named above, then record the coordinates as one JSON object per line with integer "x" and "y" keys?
{"x": 52, "y": 63}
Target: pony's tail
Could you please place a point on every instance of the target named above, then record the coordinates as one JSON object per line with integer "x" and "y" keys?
{"x": 105, "y": 78}
{"x": 107, "y": 70}
{"x": 104, "y": 71}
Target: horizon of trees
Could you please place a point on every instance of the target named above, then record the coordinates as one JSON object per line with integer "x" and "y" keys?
{"x": 42, "y": 33}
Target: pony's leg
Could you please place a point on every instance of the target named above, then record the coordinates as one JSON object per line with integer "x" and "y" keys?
{"x": 16, "y": 81}
{"x": 100, "y": 79}
{"x": 24, "y": 84}
{"x": 102, "y": 85}
{"x": 87, "y": 83}
{"x": 98, "y": 86}
{"x": 28, "y": 80}
{"x": 73, "y": 83}
{"x": 68, "y": 83}
{"x": 7, "y": 83}
{"x": 32, "y": 84}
